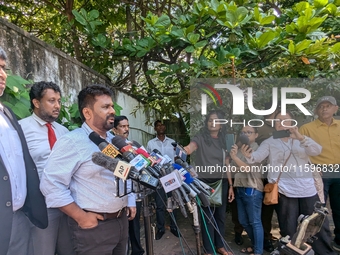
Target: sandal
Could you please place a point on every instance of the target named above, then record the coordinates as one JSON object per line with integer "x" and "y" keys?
{"x": 223, "y": 251}
{"x": 248, "y": 250}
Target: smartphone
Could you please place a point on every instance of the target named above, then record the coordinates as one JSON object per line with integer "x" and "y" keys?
{"x": 242, "y": 139}
{"x": 230, "y": 141}
{"x": 281, "y": 134}
{"x": 249, "y": 191}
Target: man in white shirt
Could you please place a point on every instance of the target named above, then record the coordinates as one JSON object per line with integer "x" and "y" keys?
{"x": 20, "y": 198}
{"x": 162, "y": 143}
{"x": 45, "y": 100}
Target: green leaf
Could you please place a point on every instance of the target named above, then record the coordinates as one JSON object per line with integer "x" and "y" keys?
{"x": 93, "y": 14}
{"x": 320, "y": 3}
{"x": 336, "y": 48}
{"x": 79, "y": 17}
{"x": 265, "y": 38}
{"x": 257, "y": 16}
{"x": 291, "y": 47}
{"x": 190, "y": 49}
{"x": 267, "y": 20}
{"x": 163, "y": 21}
{"x": 302, "y": 45}
{"x": 201, "y": 44}
{"x": 193, "y": 38}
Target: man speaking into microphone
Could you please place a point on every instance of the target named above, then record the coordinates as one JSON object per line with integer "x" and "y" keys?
{"x": 83, "y": 190}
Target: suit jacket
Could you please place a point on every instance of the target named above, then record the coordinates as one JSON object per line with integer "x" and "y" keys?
{"x": 34, "y": 207}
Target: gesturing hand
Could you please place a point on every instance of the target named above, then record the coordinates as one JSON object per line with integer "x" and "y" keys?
{"x": 246, "y": 151}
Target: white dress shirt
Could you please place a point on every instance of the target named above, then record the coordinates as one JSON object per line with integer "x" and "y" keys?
{"x": 71, "y": 176}
{"x": 165, "y": 146}
{"x": 36, "y": 134}
{"x": 296, "y": 179}
{"x": 13, "y": 158}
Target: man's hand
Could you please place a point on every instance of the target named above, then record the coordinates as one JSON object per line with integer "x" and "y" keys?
{"x": 89, "y": 220}
{"x": 131, "y": 212}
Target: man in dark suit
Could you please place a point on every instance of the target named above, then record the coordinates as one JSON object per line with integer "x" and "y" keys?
{"x": 20, "y": 198}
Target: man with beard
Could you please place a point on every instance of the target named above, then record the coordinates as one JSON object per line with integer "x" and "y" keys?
{"x": 39, "y": 129}
{"x": 86, "y": 192}
{"x": 20, "y": 198}
{"x": 121, "y": 127}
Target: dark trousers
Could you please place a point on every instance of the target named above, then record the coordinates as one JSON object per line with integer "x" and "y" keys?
{"x": 331, "y": 188}
{"x": 161, "y": 201}
{"x": 109, "y": 237}
{"x": 289, "y": 209}
{"x": 234, "y": 218}
{"x": 134, "y": 232}
{"x": 214, "y": 216}
{"x": 266, "y": 217}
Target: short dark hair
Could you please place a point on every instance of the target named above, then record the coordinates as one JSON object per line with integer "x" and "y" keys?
{"x": 119, "y": 119}
{"x": 86, "y": 97}
{"x": 3, "y": 54}
{"x": 156, "y": 122}
{"x": 38, "y": 90}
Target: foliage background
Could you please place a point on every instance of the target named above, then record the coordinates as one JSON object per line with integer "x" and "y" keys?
{"x": 151, "y": 49}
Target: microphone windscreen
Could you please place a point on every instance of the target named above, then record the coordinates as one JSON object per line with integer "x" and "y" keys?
{"x": 204, "y": 199}
{"x": 157, "y": 151}
{"x": 107, "y": 162}
{"x": 243, "y": 139}
{"x": 136, "y": 144}
{"x": 94, "y": 137}
{"x": 119, "y": 142}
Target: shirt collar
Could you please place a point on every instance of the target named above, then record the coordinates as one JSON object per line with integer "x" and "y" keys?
{"x": 320, "y": 123}
{"x": 39, "y": 120}
{"x": 165, "y": 138}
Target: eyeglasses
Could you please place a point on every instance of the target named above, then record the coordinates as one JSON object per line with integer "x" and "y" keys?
{"x": 247, "y": 132}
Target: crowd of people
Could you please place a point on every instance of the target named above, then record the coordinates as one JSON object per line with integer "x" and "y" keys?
{"x": 55, "y": 200}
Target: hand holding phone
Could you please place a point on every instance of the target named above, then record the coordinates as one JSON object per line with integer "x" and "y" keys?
{"x": 281, "y": 134}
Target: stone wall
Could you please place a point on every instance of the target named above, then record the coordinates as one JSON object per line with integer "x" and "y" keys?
{"x": 35, "y": 60}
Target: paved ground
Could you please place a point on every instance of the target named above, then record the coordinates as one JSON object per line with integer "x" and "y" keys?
{"x": 171, "y": 245}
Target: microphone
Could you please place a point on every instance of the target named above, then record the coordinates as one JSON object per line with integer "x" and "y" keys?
{"x": 191, "y": 188}
{"x": 105, "y": 147}
{"x": 138, "y": 145}
{"x": 124, "y": 170}
{"x": 139, "y": 162}
{"x": 122, "y": 146}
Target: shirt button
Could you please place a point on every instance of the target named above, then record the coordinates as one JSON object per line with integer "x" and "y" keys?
{"x": 8, "y": 204}
{"x": 5, "y": 178}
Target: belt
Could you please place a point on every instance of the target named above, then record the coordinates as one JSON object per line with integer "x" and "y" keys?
{"x": 108, "y": 216}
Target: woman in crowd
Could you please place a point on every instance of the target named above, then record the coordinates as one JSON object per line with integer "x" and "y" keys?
{"x": 297, "y": 192}
{"x": 210, "y": 147}
{"x": 248, "y": 191}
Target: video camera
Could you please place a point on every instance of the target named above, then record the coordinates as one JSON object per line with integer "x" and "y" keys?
{"x": 308, "y": 227}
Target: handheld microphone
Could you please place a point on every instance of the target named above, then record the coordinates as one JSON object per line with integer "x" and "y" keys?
{"x": 138, "y": 145}
{"x": 139, "y": 162}
{"x": 105, "y": 147}
{"x": 122, "y": 146}
{"x": 124, "y": 170}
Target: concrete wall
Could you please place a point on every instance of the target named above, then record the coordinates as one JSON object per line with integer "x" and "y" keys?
{"x": 35, "y": 60}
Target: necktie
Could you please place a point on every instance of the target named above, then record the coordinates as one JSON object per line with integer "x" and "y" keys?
{"x": 51, "y": 135}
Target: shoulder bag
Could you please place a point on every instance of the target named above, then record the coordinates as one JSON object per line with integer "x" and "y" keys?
{"x": 271, "y": 190}
{"x": 215, "y": 198}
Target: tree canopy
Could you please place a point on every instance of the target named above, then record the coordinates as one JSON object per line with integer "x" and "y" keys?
{"x": 151, "y": 49}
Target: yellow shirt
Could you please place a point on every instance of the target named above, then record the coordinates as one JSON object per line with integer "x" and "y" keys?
{"x": 328, "y": 137}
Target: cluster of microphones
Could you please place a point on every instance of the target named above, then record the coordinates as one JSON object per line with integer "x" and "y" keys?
{"x": 152, "y": 170}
